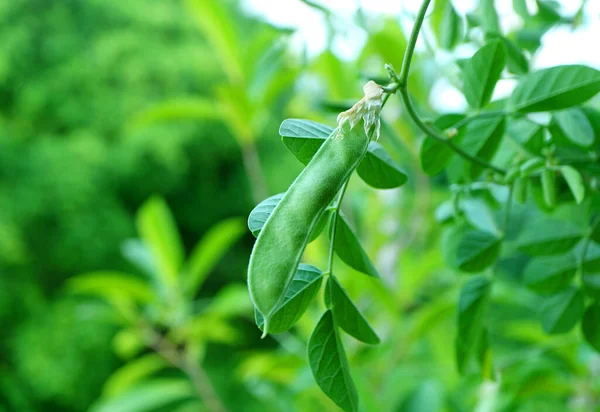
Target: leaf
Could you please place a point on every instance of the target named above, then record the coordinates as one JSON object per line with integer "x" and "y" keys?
{"x": 348, "y": 248}
{"x": 527, "y": 134}
{"x": 183, "y": 108}
{"x": 434, "y": 155}
{"x": 555, "y": 88}
{"x": 481, "y": 73}
{"x": 329, "y": 364}
{"x": 427, "y": 396}
{"x": 575, "y": 182}
{"x": 152, "y": 395}
{"x": 447, "y": 24}
{"x": 481, "y": 138}
{"x": 379, "y": 170}
{"x": 346, "y": 314}
{"x": 472, "y": 305}
{"x": 548, "y": 237}
{"x": 132, "y": 373}
{"x": 576, "y": 127}
{"x": 489, "y": 17}
{"x": 561, "y": 312}
{"x": 210, "y": 250}
{"x": 158, "y": 231}
{"x": 477, "y": 250}
{"x": 107, "y": 284}
{"x": 516, "y": 62}
{"x": 590, "y": 326}
{"x": 302, "y": 290}
{"x": 550, "y": 274}
{"x": 304, "y": 138}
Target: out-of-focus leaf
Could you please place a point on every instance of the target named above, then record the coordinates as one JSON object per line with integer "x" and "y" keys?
{"x": 231, "y": 300}
{"x": 527, "y": 134}
{"x": 346, "y": 314}
{"x": 106, "y": 284}
{"x": 348, "y": 248}
{"x": 575, "y": 182}
{"x": 477, "y": 250}
{"x": 300, "y": 293}
{"x": 329, "y": 364}
{"x": 132, "y": 373}
{"x": 158, "y": 231}
{"x": 481, "y": 138}
{"x": 480, "y": 215}
{"x": 434, "y": 155}
{"x": 177, "y": 110}
{"x": 575, "y": 126}
{"x": 590, "y": 326}
{"x": 427, "y": 396}
{"x": 447, "y": 24}
{"x": 481, "y": 73}
{"x": 210, "y": 250}
{"x": 548, "y": 237}
{"x": 550, "y": 274}
{"x": 516, "y": 62}
{"x": 489, "y": 17}
{"x": 379, "y": 170}
{"x": 555, "y": 88}
{"x": 561, "y": 312}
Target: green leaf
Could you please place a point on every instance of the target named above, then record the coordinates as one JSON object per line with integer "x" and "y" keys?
{"x": 561, "y": 312}
{"x": 159, "y": 233}
{"x": 346, "y": 314}
{"x": 379, "y": 170}
{"x": 180, "y": 109}
{"x": 108, "y": 284}
{"x": 590, "y": 326}
{"x": 527, "y": 134}
{"x": 555, "y": 88}
{"x": 477, "y": 250}
{"x": 427, "y": 396}
{"x": 447, "y": 24}
{"x": 132, "y": 373}
{"x": 348, "y": 248}
{"x": 210, "y": 250}
{"x": 302, "y": 290}
{"x": 329, "y": 364}
{"x": 472, "y": 305}
{"x": 481, "y": 73}
{"x": 576, "y": 127}
{"x": 489, "y": 17}
{"x": 435, "y": 155}
{"x": 591, "y": 284}
{"x": 516, "y": 62}
{"x": 152, "y": 395}
{"x": 520, "y": 7}
{"x": 575, "y": 182}
{"x": 550, "y": 274}
{"x": 481, "y": 138}
{"x": 548, "y": 237}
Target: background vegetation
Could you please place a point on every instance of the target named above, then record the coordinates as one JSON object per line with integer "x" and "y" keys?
{"x": 135, "y": 139}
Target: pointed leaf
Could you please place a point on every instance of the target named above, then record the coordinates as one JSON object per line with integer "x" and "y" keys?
{"x": 481, "y": 73}
{"x": 348, "y": 248}
{"x": 489, "y": 17}
{"x": 447, "y": 24}
{"x": 477, "y": 250}
{"x": 575, "y": 182}
{"x": 550, "y": 274}
{"x": 576, "y": 127}
{"x": 561, "y": 312}
{"x": 329, "y": 364}
{"x": 379, "y": 170}
{"x": 555, "y": 88}
{"x": 548, "y": 237}
{"x": 481, "y": 138}
{"x": 302, "y": 290}
{"x": 590, "y": 326}
{"x": 516, "y": 62}
{"x": 132, "y": 373}
{"x": 346, "y": 314}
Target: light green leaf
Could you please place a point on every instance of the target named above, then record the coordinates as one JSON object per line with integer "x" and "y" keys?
{"x": 527, "y": 134}
{"x": 302, "y": 290}
{"x": 108, "y": 284}
{"x": 481, "y": 73}
{"x": 210, "y": 250}
{"x": 329, "y": 364}
{"x": 472, "y": 306}
{"x": 489, "y": 17}
{"x": 348, "y": 248}
{"x": 427, "y": 396}
{"x": 555, "y": 88}
{"x": 575, "y": 126}
{"x": 575, "y": 182}
{"x": 434, "y": 155}
{"x": 477, "y": 250}
{"x": 520, "y": 7}
{"x": 185, "y": 108}
{"x": 132, "y": 373}
{"x": 379, "y": 170}
{"x": 158, "y": 231}
{"x": 561, "y": 312}
{"x": 346, "y": 314}
{"x": 548, "y": 237}
{"x": 447, "y": 24}
{"x": 516, "y": 62}
{"x": 550, "y": 274}
{"x": 590, "y": 326}
{"x": 148, "y": 396}
{"x": 230, "y": 301}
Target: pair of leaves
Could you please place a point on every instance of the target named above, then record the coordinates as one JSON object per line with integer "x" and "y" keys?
{"x": 304, "y": 138}
{"x": 548, "y": 236}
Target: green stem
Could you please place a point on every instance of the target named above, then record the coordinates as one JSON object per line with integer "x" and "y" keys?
{"x": 336, "y": 212}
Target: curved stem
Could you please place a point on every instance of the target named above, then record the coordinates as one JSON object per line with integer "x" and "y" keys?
{"x": 336, "y": 212}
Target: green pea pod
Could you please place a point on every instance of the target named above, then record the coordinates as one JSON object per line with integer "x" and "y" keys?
{"x": 286, "y": 232}
{"x": 520, "y": 190}
{"x": 549, "y": 187}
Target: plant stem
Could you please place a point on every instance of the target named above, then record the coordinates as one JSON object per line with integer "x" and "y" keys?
{"x": 402, "y": 86}
{"x": 336, "y": 212}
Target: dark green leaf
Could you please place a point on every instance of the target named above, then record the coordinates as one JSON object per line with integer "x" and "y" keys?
{"x": 447, "y": 24}
{"x": 481, "y": 73}
{"x": 302, "y": 290}
{"x": 435, "y": 155}
{"x": 346, "y": 314}
{"x": 550, "y": 274}
{"x": 548, "y": 237}
{"x": 575, "y": 126}
{"x": 348, "y": 248}
{"x": 329, "y": 364}
{"x": 489, "y": 17}
{"x": 555, "y": 88}
{"x": 591, "y": 284}
{"x": 477, "y": 250}
{"x": 561, "y": 312}
{"x": 590, "y": 326}
{"x": 481, "y": 138}
{"x": 472, "y": 306}
{"x": 575, "y": 182}
{"x": 516, "y": 62}
{"x": 379, "y": 170}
